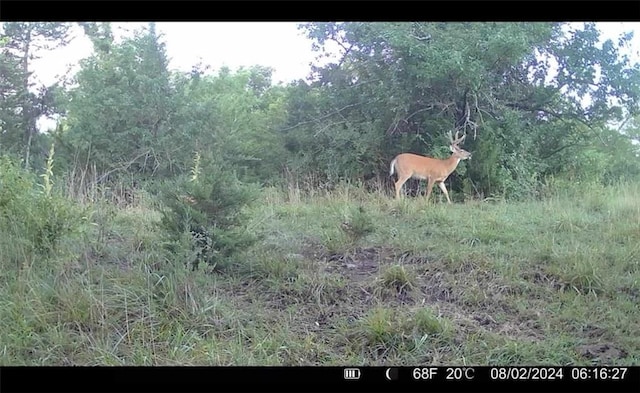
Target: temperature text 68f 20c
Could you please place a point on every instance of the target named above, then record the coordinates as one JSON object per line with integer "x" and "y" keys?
{"x": 447, "y": 373}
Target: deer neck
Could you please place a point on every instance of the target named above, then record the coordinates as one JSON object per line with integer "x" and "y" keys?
{"x": 453, "y": 160}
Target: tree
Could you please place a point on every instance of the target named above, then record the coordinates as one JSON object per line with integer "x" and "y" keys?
{"x": 118, "y": 115}
{"x": 232, "y": 116}
{"x": 11, "y": 93}
{"x": 400, "y": 86}
{"x": 25, "y": 42}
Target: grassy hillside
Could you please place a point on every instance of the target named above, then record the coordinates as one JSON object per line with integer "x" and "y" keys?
{"x": 344, "y": 278}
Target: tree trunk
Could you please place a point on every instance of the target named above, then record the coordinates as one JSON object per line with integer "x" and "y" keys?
{"x": 27, "y": 106}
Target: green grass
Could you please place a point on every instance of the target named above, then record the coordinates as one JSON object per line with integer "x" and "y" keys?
{"x": 341, "y": 278}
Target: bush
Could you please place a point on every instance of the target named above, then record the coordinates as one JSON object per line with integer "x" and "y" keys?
{"x": 32, "y": 220}
{"x": 206, "y": 209}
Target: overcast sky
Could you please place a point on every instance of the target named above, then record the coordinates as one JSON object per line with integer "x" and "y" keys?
{"x": 279, "y": 45}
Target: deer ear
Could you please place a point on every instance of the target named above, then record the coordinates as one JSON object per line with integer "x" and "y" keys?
{"x": 452, "y": 148}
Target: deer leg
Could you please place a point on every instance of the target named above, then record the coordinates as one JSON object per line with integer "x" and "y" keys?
{"x": 429, "y": 188}
{"x": 399, "y": 184}
{"x": 444, "y": 190}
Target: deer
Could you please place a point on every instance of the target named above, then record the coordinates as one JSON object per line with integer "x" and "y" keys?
{"x": 434, "y": 170}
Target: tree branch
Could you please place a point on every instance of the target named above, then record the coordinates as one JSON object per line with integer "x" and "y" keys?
{"x": 318, "y": 119}
{"x": 558, "y": 150}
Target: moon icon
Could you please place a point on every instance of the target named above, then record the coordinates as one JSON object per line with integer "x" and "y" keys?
{"x": 391, "y": 374}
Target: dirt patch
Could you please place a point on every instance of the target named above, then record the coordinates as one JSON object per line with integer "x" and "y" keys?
{"x": 363, "y": 270}
{"x": 312, "y": 249}
{"x": 519, "y": 331}
{"x": 603, "y": 353}
{"x": 407, "y": 258}
{"x": 542, "y": 278}
{"x": 471, "y": 297}
{"x": 436, "y": 288}
{"x": 360, "y": 263}
{"x": 594, "y": 332}
{"x": 633, "y": 293}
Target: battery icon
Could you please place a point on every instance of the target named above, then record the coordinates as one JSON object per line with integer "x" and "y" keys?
{"x": 351, "y": 373}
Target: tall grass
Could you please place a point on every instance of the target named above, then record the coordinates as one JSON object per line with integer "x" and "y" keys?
{"x": 341, "y": 276}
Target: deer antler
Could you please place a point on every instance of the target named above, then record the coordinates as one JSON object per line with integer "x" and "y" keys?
{"x": 457, "y": 140}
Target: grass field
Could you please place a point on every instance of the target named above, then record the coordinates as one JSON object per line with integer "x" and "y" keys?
{"x": 342, "y": 278}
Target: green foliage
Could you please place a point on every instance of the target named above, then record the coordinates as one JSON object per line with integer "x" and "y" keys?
{"x": 427, "y": 322}
{"x": 118, "y": 115}
{"x": 606, "y": 158}
{"x": 204, "y": 215}
{"x": 394, "y": 87}
{"x": 397, "y": 278}
{"x": 359, "y": 225}
{"x": 597, "y": 71}
{"x": 335, "y": 145}
{"x": 25, "y": 101}
{"x": 32, "y": 221}
{"x": 130, "y": 113}
{"x": 399, "y": 87}
{"x": 13, "y": 93}
{"x": 14, "y": 182}
{"x": 232, "y": 115}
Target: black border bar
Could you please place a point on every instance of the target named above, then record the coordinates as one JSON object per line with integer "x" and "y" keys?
{"x": 314, "y": 10}
{"x": 317, "y": 379}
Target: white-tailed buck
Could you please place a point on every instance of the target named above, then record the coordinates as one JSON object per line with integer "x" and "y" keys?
{"x": 433, "y": 170}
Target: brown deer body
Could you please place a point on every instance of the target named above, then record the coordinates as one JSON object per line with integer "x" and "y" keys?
{"x": 434, "y": 170}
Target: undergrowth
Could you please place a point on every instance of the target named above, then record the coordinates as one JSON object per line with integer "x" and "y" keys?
{"x": 346, "y": 277}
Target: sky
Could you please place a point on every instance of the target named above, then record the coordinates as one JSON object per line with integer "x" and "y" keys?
{"x": 279, "y": 45}
{"x": 275, "y": 44}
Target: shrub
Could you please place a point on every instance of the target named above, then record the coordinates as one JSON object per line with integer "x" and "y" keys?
{"x": 33, "y": 219}
{"x": 207, "y": 208}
